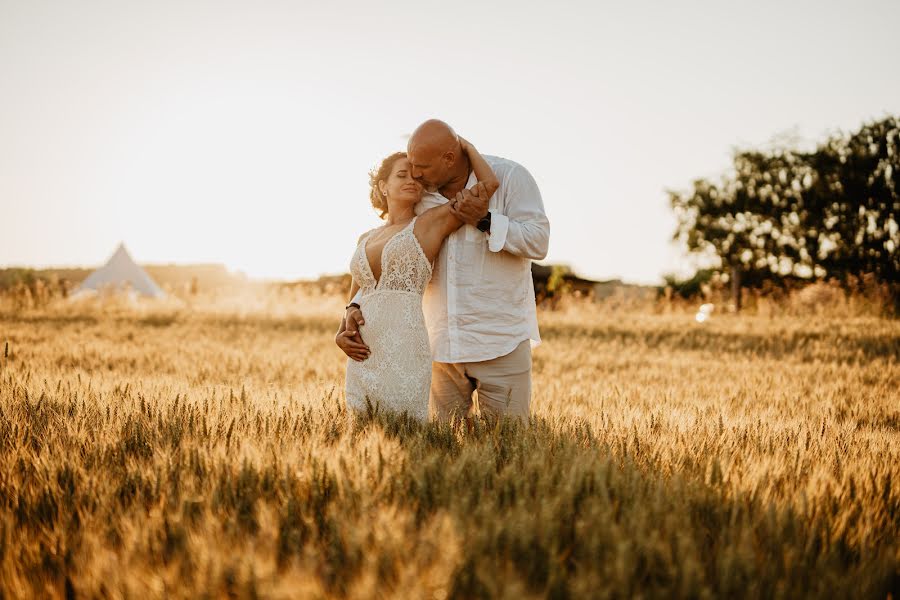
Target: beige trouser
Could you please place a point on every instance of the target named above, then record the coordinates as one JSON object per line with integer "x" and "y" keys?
{"x": 503, "y": 386}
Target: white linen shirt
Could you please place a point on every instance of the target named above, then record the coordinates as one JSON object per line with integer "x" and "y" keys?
{"x": 480, "y": 302}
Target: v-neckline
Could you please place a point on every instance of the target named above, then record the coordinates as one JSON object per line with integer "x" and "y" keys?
{"x": 383, "y": 249}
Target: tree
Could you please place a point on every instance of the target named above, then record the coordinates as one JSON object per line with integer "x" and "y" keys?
{"x": 831, "y": 212}
{"x": 861, "y": 176}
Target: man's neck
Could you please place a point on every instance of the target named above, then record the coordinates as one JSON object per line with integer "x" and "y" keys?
{"x": 458, "y": 182}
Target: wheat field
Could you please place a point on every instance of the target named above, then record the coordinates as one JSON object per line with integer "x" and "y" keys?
{"x": 204, "y": 452}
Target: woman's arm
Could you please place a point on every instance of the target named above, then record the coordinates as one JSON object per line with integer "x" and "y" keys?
{"x": 483, "y": 171}
{"x": 435, "y": 224}
{"x": 470, "y": 207}
{"x": 432, "y": 228}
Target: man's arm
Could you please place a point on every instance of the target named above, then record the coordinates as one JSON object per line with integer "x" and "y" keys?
{"x": 525, "y": 229}
{"x": 348, "y": 337}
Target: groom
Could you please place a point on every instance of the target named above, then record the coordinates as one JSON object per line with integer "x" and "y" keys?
{"x": 479, "y": 306}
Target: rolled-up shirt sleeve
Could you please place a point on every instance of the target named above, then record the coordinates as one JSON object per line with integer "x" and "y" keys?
{"x": 522, "y": 228}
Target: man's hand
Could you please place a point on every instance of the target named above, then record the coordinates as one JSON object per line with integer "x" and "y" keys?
{"x": 469, "y": 206}
{"x": 346, "y": 341}
{"x": 349, "y": 339}
{"x": 354, "y": 318}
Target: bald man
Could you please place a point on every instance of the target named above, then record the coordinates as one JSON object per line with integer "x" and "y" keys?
{"x": 479, "y": 306}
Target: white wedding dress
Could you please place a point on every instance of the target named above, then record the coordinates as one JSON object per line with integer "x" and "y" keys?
{"x": 397, "y": 374}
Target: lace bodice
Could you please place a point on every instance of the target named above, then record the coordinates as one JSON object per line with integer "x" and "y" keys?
{"x": 404, "y": 266}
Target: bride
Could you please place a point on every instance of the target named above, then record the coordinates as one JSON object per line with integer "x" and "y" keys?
{"x": 391, "y": 267}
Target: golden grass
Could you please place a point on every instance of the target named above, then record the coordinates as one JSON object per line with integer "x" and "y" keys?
{"x": 204, "y": 452}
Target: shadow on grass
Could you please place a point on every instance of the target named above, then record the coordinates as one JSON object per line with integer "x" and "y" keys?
{"x": 299, "y": 324}
{"x": 545, "y": 510}
{"x": 803, "y": 345}
{"x": 551, "y": 509}
{"x": 48, "y": 319}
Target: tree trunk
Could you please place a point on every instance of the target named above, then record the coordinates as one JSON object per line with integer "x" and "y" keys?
{"x": 736, "y": 286}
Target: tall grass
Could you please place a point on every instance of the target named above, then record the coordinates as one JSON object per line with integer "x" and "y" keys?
{"x": 206, "y": 452}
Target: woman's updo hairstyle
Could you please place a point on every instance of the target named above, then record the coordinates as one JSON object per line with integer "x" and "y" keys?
{"x": 379, "y": 200}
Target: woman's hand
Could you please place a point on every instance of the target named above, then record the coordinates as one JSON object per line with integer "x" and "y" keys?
{"x": 355, "y": 350}
{"x": 469, "y": 206}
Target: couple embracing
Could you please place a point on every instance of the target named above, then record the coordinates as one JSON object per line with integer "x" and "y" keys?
{"x": 442, "y": 301}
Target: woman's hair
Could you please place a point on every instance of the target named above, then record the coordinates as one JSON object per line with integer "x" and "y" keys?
{"x": 381, "y": 174}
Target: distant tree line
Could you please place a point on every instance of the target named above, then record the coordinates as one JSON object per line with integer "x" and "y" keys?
{"x": 785, "y": 214}
{"x": 205, "y": 276}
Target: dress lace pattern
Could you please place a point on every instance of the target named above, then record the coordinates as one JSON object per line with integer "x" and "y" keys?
{"x": 397, "y": 374}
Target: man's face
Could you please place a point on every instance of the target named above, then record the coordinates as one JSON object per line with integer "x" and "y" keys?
{"x": 428, "y": 167}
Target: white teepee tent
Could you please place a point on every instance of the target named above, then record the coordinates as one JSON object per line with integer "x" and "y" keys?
{"x": 119, "y": 271}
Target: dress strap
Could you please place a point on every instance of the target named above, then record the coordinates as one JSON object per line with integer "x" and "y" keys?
{"x": 366, "y": 236}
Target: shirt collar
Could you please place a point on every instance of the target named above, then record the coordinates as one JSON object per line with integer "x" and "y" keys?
{"x": 443, "y": 199}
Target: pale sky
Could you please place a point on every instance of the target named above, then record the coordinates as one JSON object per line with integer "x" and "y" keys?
{"x": 242, "y": 133}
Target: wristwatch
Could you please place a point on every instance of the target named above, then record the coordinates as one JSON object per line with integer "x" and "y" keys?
{"x": 485, "y": 223}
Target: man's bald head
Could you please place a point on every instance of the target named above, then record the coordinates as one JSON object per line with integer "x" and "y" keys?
{"x": 434, "y": 154}
{"x": 433, "y": 136}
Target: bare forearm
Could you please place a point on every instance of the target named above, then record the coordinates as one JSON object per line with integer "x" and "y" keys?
{"x": 483, "y": 171}
{"x": 433, "y": 227}
{"x": 446, "y": 222}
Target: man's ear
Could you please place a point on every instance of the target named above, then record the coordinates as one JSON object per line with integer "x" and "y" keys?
{"x": 449, "y": 158}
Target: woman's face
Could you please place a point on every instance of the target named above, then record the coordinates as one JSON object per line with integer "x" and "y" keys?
{"x": 400, "y": 186}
